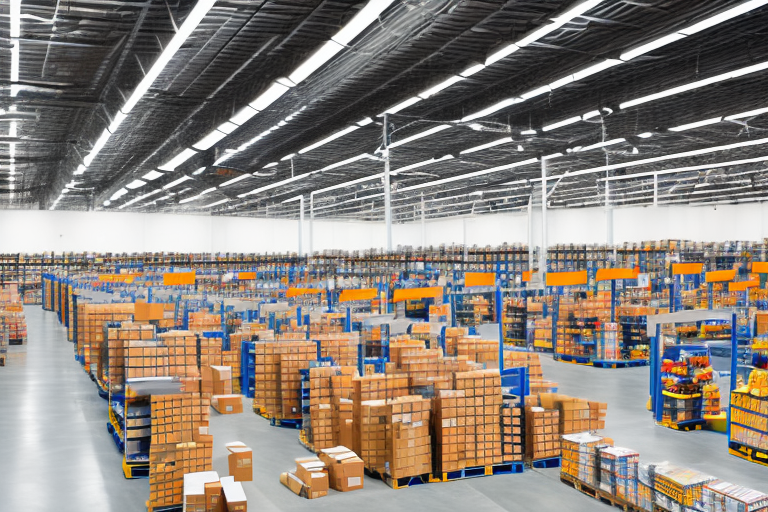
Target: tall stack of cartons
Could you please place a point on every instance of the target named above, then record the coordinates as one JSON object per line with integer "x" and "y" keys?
{"x": 180, "y": 445}
{"x": 320, "y": 407}
{"x": 481, "y": 351}
{"x": 581, "y": 457}
{"x": 542, "y": 436}
{"x": 421, "y": 365}
{"x": 450, "y": 431}
{"x": 409, "y": 446}
{"x": 401, "y": 345}
{"x": 231, "y": 358}
{"x": 112, "y": 361}
{"x": 483, "y": 412}
{"x": 267, "y": 377}
{"x": 182, "y": 350}
{"x": 372, "y": 387}
{"x": 370, "y": 434}
{"x": 295, "y": 356}
{"x": 618, "y": 472}
{"x": 341, "y": 347}
{"x": 146, "y": 359}
{"x": 90, "y": 333}
{"x": 342, "y": 412}
{"x": 210, "y": 351}
{"x": 512, "y": 433}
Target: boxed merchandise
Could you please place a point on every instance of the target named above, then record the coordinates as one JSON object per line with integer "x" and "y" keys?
{"x": 234, "y": 495}
{"x": 542, "y": 433}
{"x": 619, "y": 472}
{"x": 240, "y": 461}
{"x": 580, "y": 458}
{"x": 677, "y": 487}
{"x": 512, "y": 433}
{"x": 482, "y": 389}
{"x": 450, "y": 438}
{"x": 719, "y": 496}
{"x": 227, "y": 404}
{"x": 194, "y": 490}
{"x": 214, "y": 497}
{"x": 345, "y": 468}
{"x": 221, "y": 377}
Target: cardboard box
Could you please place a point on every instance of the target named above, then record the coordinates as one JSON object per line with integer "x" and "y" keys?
{"x": 214, "y": 501}
{"x": 240, "y": 461}
{"x": 221, "y": 377}
{"x": 148, "y": 311}
{"x": 227, "y": 404}
{"x": 194, "y": 498}
{"x": 234, "y": 495}
{"x": 345, "y": 468}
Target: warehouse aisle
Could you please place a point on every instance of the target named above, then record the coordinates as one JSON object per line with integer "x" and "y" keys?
{"x": 55, "y": 453}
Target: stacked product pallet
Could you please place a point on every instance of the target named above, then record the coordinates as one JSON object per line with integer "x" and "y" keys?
{"x": 90, "y": 329}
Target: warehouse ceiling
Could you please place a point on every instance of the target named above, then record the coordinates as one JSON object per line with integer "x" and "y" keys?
{"x": 239, "y": 107}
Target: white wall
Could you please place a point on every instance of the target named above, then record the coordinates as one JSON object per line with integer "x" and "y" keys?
{"x": 37, "y": 231}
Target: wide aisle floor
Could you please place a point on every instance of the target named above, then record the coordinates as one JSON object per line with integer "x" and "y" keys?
{"x": 55, "y": 453}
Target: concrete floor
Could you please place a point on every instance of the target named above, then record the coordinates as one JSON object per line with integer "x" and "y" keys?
{"x": 55, "y": 453}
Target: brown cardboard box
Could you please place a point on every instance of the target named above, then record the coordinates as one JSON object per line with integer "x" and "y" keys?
{"x": 234, "y": 496}
{"x": 227, "y": 404}
{"x": 294, "y": 483}
{"x": 213, "y": 497}
{"x": 345, "y": 468}
{"x": 222, "y": 380}
{"x": 146, "y": 311}
{"x": 314, "y": 474}
{"x": 240, "y": 461}
{"x": 194, "y": 490}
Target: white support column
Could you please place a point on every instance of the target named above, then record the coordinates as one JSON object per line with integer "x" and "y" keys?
{"x": 301, "y": 226}
{"x": 387, "y": 186}
{"x": 423, "y": 223}
{"x": 655, "y": 190}
{"x": 530, "y": 232}
{"x": 608, "y": 214}
{"x": 544, "y": 245}
{"x": 311, "y": 223}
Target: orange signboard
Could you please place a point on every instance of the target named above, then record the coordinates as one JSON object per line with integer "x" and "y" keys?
{"x": 718, "y": 276}
{"x": 609, "y": 274}
{"x": 178, "y": 278}
{"x": 760, "y": 267}
{"x": 479, "y": 279}
{"x": 117, "y": 278}
{"x": 417, "y": 293}
{"x": 687, "y": 269}
{"x": 246, "y": 276}
{"x": 567, "y": 278}
{"x": 296, "y": 292}
{"x": 740, "y": 286}
{"x": 527, "y": 275}
{"x": 360, "y": 294}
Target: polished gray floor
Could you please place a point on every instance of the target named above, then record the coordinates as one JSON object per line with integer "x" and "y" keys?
{"x": 55, "y": 453}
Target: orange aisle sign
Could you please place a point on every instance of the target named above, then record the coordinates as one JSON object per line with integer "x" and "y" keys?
{"x": 760, "y": 267}
{"x": 687, "y": 269}
{"x": 360, "y": 294}
{"x": 718, "y": 276}
{"x": 295, "y": 292}
{"x": 479, "y": 279}
{"x": 741, "y": 286}
{"x": 527, "y": 275}
{"x": 118, "y": 278}
{"x": 417, "y": 293}
{"x": 246, "y": 276}
{"x": 567, "y": 278}
{"x": 610, "y": 274}
{"x": 178, "y": 278}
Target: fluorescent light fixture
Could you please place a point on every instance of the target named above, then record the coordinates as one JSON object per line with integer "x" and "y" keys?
{"x": 235, "y": 180}
{"x": 107, "y": 202}
{"x": 723, "y": 16}
{"x": 561, "y": 82}
{"x": 189, "y": 199}
{"x": 98, "y": 146}
{"x": 645, "y": 135}
{"x": 365, "y": 121}
{"x": 349, "y": 183}
{"x": 528, "y": 132}
{"x": 611, "y": 142}
{"x": 191, "y": 22}
{"x": 590, "y": 114}
{"x": 326, "y": 140}
{"x": 285, "y": 81}
{"x": 360, "y": 22}
{"x": 472, "y": 70}
{"x": 697, "y": 124}
{"x": 209, "y": 140}
{"x": 317, "y": 59}
{"x": 501, "y": 53}
{"x": 421, "y": 164}
{"x": 470, "y": 175}
{"x": 695, "y": 85}
{"x": 750, "y": 113}
{"x": 14, "y": 60}
{"x": 544, "y": 89}
{"x": 685, "y": 169}
{"x": 152, "y": 175}
{"x": 120, "y": 193}
{"x": 347, "y": 161}
{"x": 439, "y": 87}
{"x": 12, "y": 129}
{"x": 520, "y": 148}
{"x": 273, "y": 185}
{"x": 243, "y": 115}
{"x": 65, "y": 191}
{"x": 136, "y": 184}
{"x": 481, "y": 147}
{"x": 540, "y": 32}
{"x": 490, "y": 110}
{"x": 198, "y": 171}
{"x": 400, "y": 106}
{"x": 217, "y": 203}
{"x": 553, "y": 155}
{"x": 271, "y": 164}
{"x": 650, "y": 46}
{"x": 269, "y": 96}
{"x": 176, "y": 182}
{"x": 595, "y": 68}
{"x": 578, "y": 10}
{"x": 291, "y": 199}
{"x": 421, "y": 135}
{"x": 137, "y": 199}
{"x": 176, "y": 161}
{"x": 209, "y": 190}
{"x": 562, "y": 123}
{"x": 15, "y": 15}
{"x": 288, "y": 157}
{"x": 80, "y": 170}
{"x": 116, "y": 121}
{"x": 227, "y": 127}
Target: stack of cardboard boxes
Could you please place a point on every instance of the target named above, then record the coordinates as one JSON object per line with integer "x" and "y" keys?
{"x": 90, "y": 332}
{"x": 205, "y": 492}
{"x": 482, "y": 389}
{"x": 341, "y": 347}
{"x": 210, "y": 351}
{"x": 240, "y": 461}
{"x": 320, "y": 407}
{"x": 231, "y": 358}
{"x": 542, "y": 435}
{"x": 408, "y": 441}
{"x": 297, "y": 358}
{"x": 576, "y": 414}
{"x": 182, "y": 351}
{"x": 336, "y": 468}
{"x": 450, "y": 435}
{"x": 223, "y": 400}
{"x": 581, "y": 457}
{"x": 112, "y": 360}
{"x": 480, "y": 351}
{"x": 512, "y": 433}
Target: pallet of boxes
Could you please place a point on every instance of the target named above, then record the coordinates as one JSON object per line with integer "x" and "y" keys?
{"x": 336, "y": 468}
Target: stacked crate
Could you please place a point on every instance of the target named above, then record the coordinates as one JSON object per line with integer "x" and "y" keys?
{"x": 210, "y": 351}
{"x": 231, "y": 358}
{"x": 450, "y": 437}
{"x": 180, "y": 444}
{"x": 90, "y": 333}
{"x": 675, "y": 487}
{"x": 112, "y": 360}
{"x": 409, "y": 445}
{"x": 182, "y": 353}
{"x": 146, "y": 359}
{"x": 320, "y": 407}
{"x": 267, "y": 377}
{"x": 482, "y": 389}
{"x": 480, "y": 351}
{"x": 295, "y": 358}
{"x": 371, "y": 388}
{"x": 542, "y": 433}
{"x": 370, "y": 434}
{"x": 618, "y": 473}
{"x": 512, "y": 433}
{"x": 342, "y": 348}
{"x": 580, "y": 457}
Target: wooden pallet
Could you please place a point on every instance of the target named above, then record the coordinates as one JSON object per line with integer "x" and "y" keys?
{"x": 598, "y": 494}
{"x": 403, "y": 482}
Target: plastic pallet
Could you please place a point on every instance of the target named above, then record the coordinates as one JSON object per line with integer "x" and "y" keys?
{"x": 167, "y": 508}
{"x": 631, "y": 363}
{"x": 684, "y": 426}
{"x": 402, "y": 483}
{"x": 599, "y": 495}
{"x": 551, "y": 462}
{"x": 566, "y": 358}
{"x": 748, "y": 453}
{"x": 276, "y": 422}
{"x": 507, "y": 468}
{"x": 135, "y": 470}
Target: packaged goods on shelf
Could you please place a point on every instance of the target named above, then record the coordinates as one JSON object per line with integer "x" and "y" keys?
{"x": 182, "y": 352}
{"x": 483, "y": 388}
{"x": 180, "y": 445}
{"x": 541, "y": 433}
{"x": 298, "y": 358}
{"x": 719, "y": 496}
{"x": 542, "y": 334}
{"x": 749, "y": 412}
{"x": 90, "y": 334}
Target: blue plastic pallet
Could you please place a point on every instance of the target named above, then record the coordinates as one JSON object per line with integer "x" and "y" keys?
{"x": 286, "y": 423}
{"x": 572, "y": 359}
{"x": 479, "y": 471}
{"x": 631, "y": 363}
{"x": 552, "y": 462}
